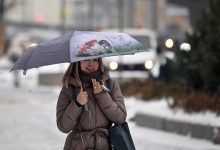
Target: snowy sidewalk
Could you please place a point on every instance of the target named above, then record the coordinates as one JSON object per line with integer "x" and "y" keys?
{"x": 27, "y": 119}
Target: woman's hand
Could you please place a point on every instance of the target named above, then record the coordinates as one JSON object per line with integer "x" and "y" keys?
{"x": 82, "y": 97}
{"x": 96, "y": 87}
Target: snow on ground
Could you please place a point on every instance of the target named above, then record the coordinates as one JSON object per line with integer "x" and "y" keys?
{"x": 161, "y": 108}
{"x": 27, "y": 116}
{"x": 4, "y": 62}
{"x": 169, "y": 141}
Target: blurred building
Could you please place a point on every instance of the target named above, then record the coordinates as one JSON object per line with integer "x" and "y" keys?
{"x": 65, "y": 15}
{"x": 86, "y": 14}
{"x": 34, "y": 11}
{"x": 195, "y": 7}
{"x": 178, "y": 16}
{"x": 99, "y": 14}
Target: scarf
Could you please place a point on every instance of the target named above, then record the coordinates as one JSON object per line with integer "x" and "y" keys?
{"x": 86, "y": 78}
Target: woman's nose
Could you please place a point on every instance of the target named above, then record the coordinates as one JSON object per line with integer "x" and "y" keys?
{"x": 90, "y": 62}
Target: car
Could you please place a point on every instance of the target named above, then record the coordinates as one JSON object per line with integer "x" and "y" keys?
{"x": 141, "y": 61}
{"x": 173, "y": 38}
{"x": 21, "y": 41}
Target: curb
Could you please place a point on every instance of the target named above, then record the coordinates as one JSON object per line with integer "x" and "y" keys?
{"x": 179, "y": 127}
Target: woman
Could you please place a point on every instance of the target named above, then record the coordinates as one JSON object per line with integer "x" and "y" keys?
{"x": 82, "y": 86}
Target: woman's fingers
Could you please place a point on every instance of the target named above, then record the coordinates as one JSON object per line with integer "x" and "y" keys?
{"x": 82, "y": 97}
{"x": 83, "y": 92}
{"x": 96, "y": 86}
{"x": 95, "y": 83}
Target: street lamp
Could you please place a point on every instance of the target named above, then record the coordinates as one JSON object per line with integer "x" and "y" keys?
{"x": 2, "y": 27}
{"x": 120, "y": 27}
{"x": 63, "y": 16}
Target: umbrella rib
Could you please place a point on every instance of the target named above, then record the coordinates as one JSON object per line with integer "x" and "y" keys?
{"x": 25, "y": 69}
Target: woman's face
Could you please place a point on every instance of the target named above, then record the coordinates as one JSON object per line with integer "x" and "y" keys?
{"x": 90, "y": 65}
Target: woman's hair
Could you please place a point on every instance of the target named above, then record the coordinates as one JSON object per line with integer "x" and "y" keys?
{"x": 73, "y": 71}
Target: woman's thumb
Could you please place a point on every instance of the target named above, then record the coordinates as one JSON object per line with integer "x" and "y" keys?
{"x": 81, "y": 89}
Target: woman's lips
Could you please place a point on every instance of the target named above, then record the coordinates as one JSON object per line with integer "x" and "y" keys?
{"x": 90, "y": 69}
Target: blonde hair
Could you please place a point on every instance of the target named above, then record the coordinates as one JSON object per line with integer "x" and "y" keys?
{"x": 73, "y": 71}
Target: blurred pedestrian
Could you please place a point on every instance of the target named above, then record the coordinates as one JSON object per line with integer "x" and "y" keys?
{"x": 89, "y": 102}
{"x": 13, "y": 54}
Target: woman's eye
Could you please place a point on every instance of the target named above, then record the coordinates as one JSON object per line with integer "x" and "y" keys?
{"x": 95, "y": 59}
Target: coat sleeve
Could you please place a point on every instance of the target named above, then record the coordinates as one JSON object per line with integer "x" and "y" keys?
{"x": 112, "y": 104}
{"x": 67, "y": 111}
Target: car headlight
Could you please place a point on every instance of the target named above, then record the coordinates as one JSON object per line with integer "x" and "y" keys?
{"x": 185, "y": 47}
{"x": 113, "y": 65}
{"x": 169, "y": 43}
{"x": 149, "y": 64}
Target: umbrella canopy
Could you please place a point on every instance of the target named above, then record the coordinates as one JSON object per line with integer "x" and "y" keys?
{"x": 77, "y": 46}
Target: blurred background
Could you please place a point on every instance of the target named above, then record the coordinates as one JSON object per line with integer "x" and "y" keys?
{"x": 160, "y": 25}
{"x": 180, "y": 68}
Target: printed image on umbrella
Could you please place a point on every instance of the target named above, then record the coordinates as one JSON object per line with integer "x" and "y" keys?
{"x": 93, "y": 48}
{"x": 77, "y": 46}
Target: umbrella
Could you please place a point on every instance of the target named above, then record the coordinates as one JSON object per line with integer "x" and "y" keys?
{"x": 77, "y": 46}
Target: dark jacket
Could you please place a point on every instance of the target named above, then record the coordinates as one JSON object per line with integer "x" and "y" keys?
{"x": 104, "y": 108}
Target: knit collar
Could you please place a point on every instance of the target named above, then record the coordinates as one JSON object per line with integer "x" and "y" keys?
{"x": 86, "y": 77}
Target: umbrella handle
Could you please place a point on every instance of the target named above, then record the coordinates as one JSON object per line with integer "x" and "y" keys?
{"x": 85, "y": 107}
{"x": 105, "y": 88}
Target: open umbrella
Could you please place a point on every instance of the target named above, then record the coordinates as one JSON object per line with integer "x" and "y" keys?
{"x": 77, "y": 46}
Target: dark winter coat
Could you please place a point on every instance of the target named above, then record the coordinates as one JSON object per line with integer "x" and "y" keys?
{"x": 104, "y": 108}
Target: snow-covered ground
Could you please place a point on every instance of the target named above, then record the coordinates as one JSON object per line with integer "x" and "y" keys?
{"x": 161, "y": 109}
{"x": 28, "y": 121}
